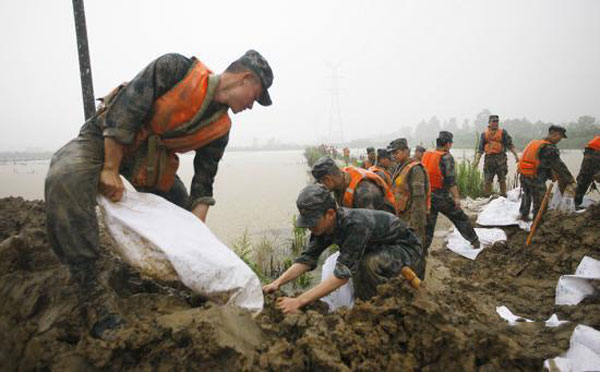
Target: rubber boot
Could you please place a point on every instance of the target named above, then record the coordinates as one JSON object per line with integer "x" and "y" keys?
{"x": 503, "y": 188}
{"x": 487, "y": 188}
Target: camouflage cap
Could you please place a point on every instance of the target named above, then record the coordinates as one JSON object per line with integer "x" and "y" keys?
{"x": 259, "y": 66}
{"x": 420, "y": 148}
{"x": 324, "y": 166}
{"x": 312, "y": 203}
{"x": 493, "y": 118}
{"x": 398, "y": 144}
{"x": 558, "y": 128}
{"x": 383, "y": 154}
{"x": 445, "y": 136}
{"x": 370, "y": 150}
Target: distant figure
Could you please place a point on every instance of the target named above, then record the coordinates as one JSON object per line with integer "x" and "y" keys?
{"x": 411, "y": 189}
{"x": 382, "y": 168}
{"x": 541, "y": 162}
{"x": 346, "y": 155}
{"x": 374, "y": 247}
{"x": 354, "y": 187}
{"x": 419, "y": 151}
{"x": 370, "y": 161}
{"x": 494, "y": 142}
{"x": 590, "y": 167}
{"x": 444, "y": 192}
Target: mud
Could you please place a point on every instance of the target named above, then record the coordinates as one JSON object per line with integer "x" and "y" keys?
{"x": 449, "y": 324}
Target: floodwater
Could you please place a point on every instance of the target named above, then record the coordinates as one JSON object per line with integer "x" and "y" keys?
{"x": 255, "y": 190}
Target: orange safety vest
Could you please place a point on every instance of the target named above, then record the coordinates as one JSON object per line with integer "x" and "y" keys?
{"x": 401, "y": 188}
{"x": 529, "y": 163}
{"x": 176, "y": 125}
{"x": 493, "y": 142}
{"x": 387, "y": 177}
{"x": 594, "y": 144}
{"x": 356, "y": 176}
{"x": 431, "y": 162}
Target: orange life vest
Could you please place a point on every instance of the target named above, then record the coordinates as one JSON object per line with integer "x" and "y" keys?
{"x": 387, "y": 177}
{"x": 594, "y": 144}
{"x": 176, "y": 125}
{"x": 493, "y": 142}
{"x": 431, "y": 162}
{"x": 356, "y": 176}
{"x": 529, "y": 163}
{"x": 401, "y": 188}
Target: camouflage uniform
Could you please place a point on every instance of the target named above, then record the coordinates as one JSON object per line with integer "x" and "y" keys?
{"x": 374, "y": 246}
{"x": 535, "y": 188}
{"x": 72, "y": 181}
{"x": 415, "y": 215}
{"x": 442, "y": 202}
{"x": 590, "y": 166}
{"x": 495, "y": 164}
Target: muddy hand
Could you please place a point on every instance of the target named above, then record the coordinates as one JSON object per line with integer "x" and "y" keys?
{"x": 288, "y": 305}
{"x": 270, "y": 288}
{"x": 111, "y": 185}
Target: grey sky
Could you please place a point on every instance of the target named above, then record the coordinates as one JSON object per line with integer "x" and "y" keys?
{"x": 399, "y": 61}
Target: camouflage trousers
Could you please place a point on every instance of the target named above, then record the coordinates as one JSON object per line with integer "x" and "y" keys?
{"x": 379, "y": 265}
{"x": 533, "y": 192}
{"x": 70, "y": 192}
{"x": 442, "y": 202}
{"x": 590, "y": 165}
{"x": 495, "y": 165}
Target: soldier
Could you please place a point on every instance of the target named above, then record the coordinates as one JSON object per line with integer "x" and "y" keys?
{"x": 374, "y": 247}
{"x": 383, "y": 166}
{"x": 346, "y": 155}
{"x": 494, "y": 142}
{"x": 411, "y": 189}
{"x": 444, "y": 192}
{"x": 419, "y": 151}
{"x": 176, "y": 104}
{"x": 540, "y": 162}
{"x": 590, "y": 167}
{"x": 354, "y": 187}
{"x": 370, "y": 161}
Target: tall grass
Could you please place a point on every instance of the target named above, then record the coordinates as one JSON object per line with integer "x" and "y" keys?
{"x": 469, "y": 180}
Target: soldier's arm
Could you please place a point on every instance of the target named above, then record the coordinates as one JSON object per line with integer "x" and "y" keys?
{"x": 508, "y": 143}
{"x": 312, "y": 252}
{"x": 551, "y": 155}
{"x": 418, "y": 194}
{"x": 481, "y": 147}
{"x": 206, "y": 164}
{"x": 449, "y": 174}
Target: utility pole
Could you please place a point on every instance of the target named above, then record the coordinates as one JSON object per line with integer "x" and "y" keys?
{"x": 85, "y": 68}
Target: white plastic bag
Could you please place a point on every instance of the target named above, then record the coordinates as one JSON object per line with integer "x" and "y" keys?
{"x": 165, "y": 241}
{"x": 503, "y": 212}
{"x": 341, "y": 297}
{"x": 572, "y": 289}
{"x": 487, "y": 237}
{"x": 583, "y": 353}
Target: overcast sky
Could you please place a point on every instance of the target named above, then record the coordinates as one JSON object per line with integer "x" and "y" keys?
{"x": 398, "y": 61}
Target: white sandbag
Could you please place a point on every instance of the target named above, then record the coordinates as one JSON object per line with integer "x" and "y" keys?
{"x": 567, "y": 205}
{"x": 583, "y": 353}
{"x": 165, "y": 241}
{"x": 344, "y": 295}
{"x": 503, "y": 211}
{"x": 513, "y": 319}
{"x": 572, "y": 289}
{"x": 457, "y": 244}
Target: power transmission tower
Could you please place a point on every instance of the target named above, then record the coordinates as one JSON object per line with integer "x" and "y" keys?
{"x": 335, "y": 114}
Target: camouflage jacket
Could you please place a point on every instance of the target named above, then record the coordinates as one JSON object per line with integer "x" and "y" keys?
{"x": 550, "y": 163}
{"x": 132, "y": 108}
{"x": 358, "y": 231}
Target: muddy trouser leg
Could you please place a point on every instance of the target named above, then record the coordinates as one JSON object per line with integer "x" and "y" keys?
{"x": 378, "y": 266}
{"x": 488, "y": 175}
{"x": 525, "y": 198}
{"x": 501, "y": 172}
{"x": 70, "y": 192}
{"x": 538, "y": 190}
{"x": 585, "y": 177}
{"x": 430, "y": 228}
{"x": 177, "y": 195}
{"x": 458, "y": 218}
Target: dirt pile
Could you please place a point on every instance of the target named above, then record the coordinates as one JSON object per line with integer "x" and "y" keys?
{"x": 450, "y": 324}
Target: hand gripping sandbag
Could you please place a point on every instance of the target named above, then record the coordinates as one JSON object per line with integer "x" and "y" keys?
{"x": 161, "y": 239}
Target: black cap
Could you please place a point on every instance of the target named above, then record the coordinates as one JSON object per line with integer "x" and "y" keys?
{"x": 493, "y": 118}
{"x": 383, "y": 153}
{"x": 398, "y": 144}
{"x": 558, "y": 128}
{"x": 370, "y": 150}
{"x": 445, "y": 136}
{"x": 324, "y": 166}
{"x": 312, "y": 203}
{"x": 260, "y": 67}
{"x": 420, "y": 148}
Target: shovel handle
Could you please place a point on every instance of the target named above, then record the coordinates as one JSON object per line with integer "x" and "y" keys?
{"x": 538, "y": 216}
{"x": 411, "y": 277}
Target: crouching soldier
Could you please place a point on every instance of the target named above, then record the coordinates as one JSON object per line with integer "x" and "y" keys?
{"x": 374, "y": 247}
{"x": 354, "y": 187}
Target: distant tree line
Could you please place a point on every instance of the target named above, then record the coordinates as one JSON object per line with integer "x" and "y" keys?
{"x": 466, "y": 134}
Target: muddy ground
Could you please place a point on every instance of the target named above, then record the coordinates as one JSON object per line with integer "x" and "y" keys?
{"x": 450, "y": 324}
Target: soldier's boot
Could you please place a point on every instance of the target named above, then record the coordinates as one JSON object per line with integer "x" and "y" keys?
{"x": 503, "y": 188}
{"x": 475, "y": 244}
{"x": 487, "y": 188}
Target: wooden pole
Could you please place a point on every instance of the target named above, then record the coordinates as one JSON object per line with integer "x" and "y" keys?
{"x": 85, "y": 68}
{"x": 538, "y": 216}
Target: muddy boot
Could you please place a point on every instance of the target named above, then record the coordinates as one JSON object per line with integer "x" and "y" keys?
{"x": 476, "y": 244}
{"x": 487, "y": 188}
{"x": 503, "y": 188}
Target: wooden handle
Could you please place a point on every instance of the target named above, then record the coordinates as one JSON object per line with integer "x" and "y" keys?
{"x": 538, "y": 216}
{"x": 411, "y": 277}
